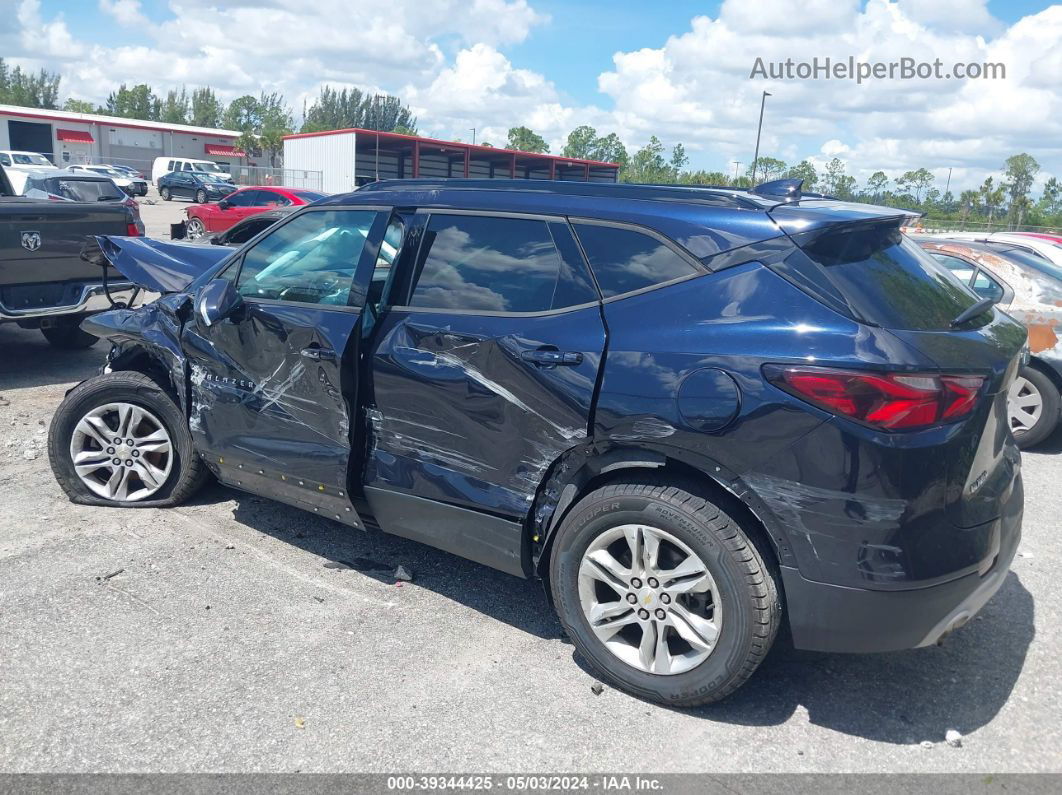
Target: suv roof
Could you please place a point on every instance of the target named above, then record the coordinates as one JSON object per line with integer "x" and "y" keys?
{"x": 706, "y": 220}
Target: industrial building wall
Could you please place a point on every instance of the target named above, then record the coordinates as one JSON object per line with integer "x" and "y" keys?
{"x": 332, "y": 155}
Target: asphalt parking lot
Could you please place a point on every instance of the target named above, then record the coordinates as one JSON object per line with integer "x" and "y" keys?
{"x": 158, "y": 215}
{"x": 218, "y": 637}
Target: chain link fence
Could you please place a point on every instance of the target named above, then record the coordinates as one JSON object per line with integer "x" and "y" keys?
{"x": 934, "y": 225}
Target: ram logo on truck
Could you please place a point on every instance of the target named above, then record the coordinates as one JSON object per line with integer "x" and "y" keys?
{"x": 31, "y": 241}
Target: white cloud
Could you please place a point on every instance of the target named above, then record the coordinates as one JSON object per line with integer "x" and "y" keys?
{"x": 126, "y": 13}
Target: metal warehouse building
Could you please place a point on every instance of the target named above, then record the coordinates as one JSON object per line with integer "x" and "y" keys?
{"x": 68, "y": 138}
{"x": 349, "y": 158}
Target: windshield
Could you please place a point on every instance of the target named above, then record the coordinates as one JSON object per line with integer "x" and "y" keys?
{"x": 110, "y": 172}
{"x": 1029, "y": 259}
{"x": 26, "y": 159}
{"x": 84, "y": 190}
{"x": 208, "y": 168}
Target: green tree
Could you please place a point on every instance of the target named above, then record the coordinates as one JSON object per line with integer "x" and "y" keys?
{"x": 991, "y": 198}
{"x": 648, "y": 165}
{"x": 206, "y": 109}
{"x": 1051, "y": 201}
{"x": 1020, "y": 171}
{"x": 523, "y": 139}
{"x": 834, "y": 179}
{"x": 806, "y": 171}
{"x": 242, "y": 114}
{"x": 175, "y": 107}
{"x": 17, "y": 87}
{"x": 581, "y": 143}
{"x": 79, "y": 106}
{"x": 767, "y": 168}
{"x": 876, "y": 184}
{"x": 916, "y": 181}
{"x": 969, "y": 201}
{"x": 610, "y": 149}
{"x": 679, "y": 160}
{"x": 138, "y": 102}
{"x": 702, "y": 178}
{"x": 342, "y": 109}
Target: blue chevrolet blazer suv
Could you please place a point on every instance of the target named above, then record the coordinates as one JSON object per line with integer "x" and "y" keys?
{"x": 699, "y": 415}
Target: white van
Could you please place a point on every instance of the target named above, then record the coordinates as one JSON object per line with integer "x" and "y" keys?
{"x": 164, "y": 165}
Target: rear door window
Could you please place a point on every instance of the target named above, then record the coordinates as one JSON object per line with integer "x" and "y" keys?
{"x": 624, "y": 260}
{"x": 882, "y": 277}
{"x": 497, "y": 264}
{"x": 961, "y": 269}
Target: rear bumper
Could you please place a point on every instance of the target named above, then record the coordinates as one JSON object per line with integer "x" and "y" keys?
{"x": 86, "y": 299}
{"x": 835, "y": 618}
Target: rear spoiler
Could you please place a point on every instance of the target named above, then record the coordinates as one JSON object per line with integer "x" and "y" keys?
{"x": 818, "y": 215}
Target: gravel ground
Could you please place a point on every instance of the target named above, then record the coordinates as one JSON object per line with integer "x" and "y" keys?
{"x": 224, "y": 643}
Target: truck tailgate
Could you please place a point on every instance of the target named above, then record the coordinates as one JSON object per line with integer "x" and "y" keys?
{"x": 63, "y": 229}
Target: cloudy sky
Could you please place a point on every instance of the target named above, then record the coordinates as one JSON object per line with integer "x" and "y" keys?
{"x": 674, "y": 68}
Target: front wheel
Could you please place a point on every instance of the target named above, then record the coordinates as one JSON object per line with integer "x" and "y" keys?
{"x": 1032, "y": 407}
{"x": 663, "y": 593}
{"x": 164, "y": 194}
{"x": 119, "y": 439}
{"x": 200, "y": 196}
{"x": 195, "y": 229}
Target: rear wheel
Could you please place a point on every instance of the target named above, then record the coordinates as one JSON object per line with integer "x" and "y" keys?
{"x": 200, "y": 196}
{"x": 119, "y": 439}
{"x": 66, "y": 334}
{"x": 663, "y": 593}
{"x": 195, "y": 229}
{"x": 1032, "y": 407}
{"x": 164, "y": 193}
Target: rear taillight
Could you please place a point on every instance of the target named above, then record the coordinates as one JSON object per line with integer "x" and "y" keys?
{"x": 131, "y": 230}
{"x": 893, "y": 401}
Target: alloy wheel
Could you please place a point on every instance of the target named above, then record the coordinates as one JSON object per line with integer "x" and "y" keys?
{"x": 650, "y": 599}
{"x": 200, "y": 196}
{"x": 195, "y": 228}
{"x": 122, "y": 452}
{"x": 1025, "y": 405}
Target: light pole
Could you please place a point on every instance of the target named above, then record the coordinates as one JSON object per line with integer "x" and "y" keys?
{"x": 473, "y": 135}
{"x": 737, "y": 165}
{"x": 759, "y": 129}
{"x": 947, "y": 187}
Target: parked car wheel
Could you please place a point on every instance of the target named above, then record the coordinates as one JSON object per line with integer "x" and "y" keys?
{"x": 67, "y": 335}
{"x": 194, "y": 229}
{"x": 119, "y": 439}
{"x": 200, "y": 196}
{"x": 164, "y": 193}
{"x": 663, "y": 593}
{"x": 1033, "y": 406}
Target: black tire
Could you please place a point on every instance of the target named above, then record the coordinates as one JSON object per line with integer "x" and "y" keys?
{"x": 188, "y": 472}
{"x": 67, "y": 335}
{"x": 164, "y": 193}
{"x": 747, "y": 589}
{"x": 1050, "y": 403}
{"x": 200, "y": 196}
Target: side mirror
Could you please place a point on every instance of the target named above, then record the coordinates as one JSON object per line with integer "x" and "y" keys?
{"x": 224, "y": 204}
{"x": 216, "y": 301}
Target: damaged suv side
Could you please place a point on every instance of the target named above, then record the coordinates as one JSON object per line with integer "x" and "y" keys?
{"x": 695, "y": 413}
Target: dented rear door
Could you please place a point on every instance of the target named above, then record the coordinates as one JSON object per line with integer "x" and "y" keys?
{"x": 482, "y": 376}
{"x": 271, "y": 387}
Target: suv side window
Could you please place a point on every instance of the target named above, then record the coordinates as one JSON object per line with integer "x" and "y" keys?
{"x": 309, "y": 260}
{"x": 624, "y": 260}
{"x": 170, "y": 166}
{"x": 496, "y": 264}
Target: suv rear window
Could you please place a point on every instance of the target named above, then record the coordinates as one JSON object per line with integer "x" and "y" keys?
{"x": 624, "y": 260}
{"x": 876, "y": 275}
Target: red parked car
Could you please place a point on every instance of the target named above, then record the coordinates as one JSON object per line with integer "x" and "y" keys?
{"x": 1042, "y": 236}
{"x": 204, "y": 219}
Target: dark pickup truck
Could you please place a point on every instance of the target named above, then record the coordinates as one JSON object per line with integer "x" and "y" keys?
{"x": 45, "y": 281}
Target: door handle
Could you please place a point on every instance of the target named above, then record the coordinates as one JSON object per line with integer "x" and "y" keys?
{"x": 546, "y": 357}
{"x": 319, "y": 354}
